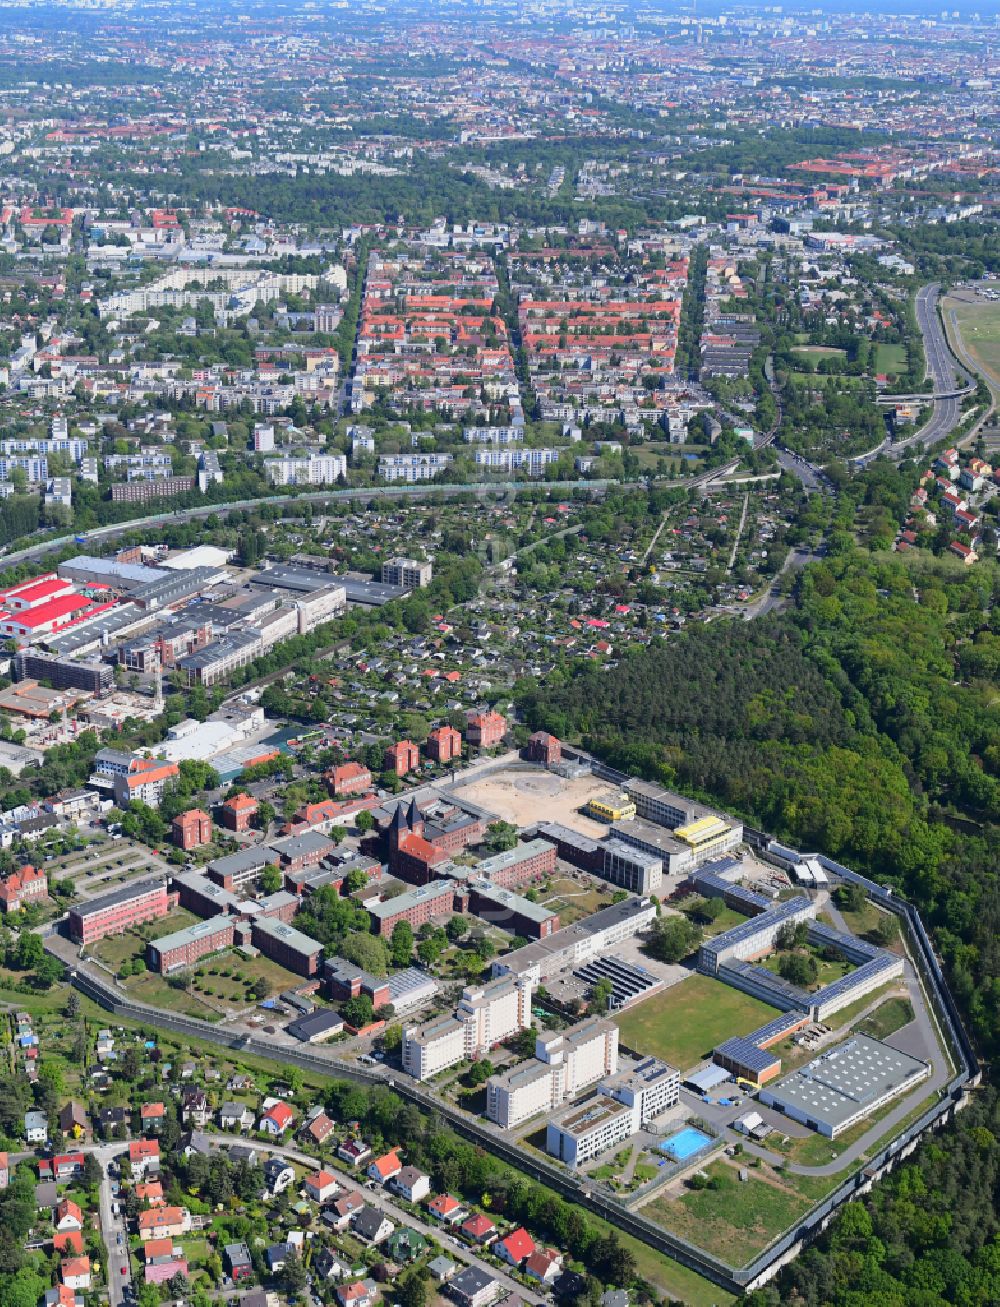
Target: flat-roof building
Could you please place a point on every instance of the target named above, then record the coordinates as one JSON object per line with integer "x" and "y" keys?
{"x": 845, "y": 1085}
{"x": 589, "y": 1129}
{"x": 634, "y": 869}
{"x": 289, "y": 947}
{"x": 185, "y": 947}
{"x": 574, "y": 944}
{"x": 118, "y": 911}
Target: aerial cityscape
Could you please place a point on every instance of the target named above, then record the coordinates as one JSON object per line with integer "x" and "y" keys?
{"x": 499, "y": 644}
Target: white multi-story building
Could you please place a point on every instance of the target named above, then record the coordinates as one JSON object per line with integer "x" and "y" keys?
{"x": 589, "y": 1129}
{"x": 309, "y": 470}
{"x": 493, "y": 1012}
{"x": 486, "y": 1015}
{"x": 433, "y": 1047}
{"x": 532, "y": 461}
{"x": 651, "y": 1088}
{"x": 412, "y": 467}
{"x": 565, "y": 1063}
{"x": 263, "y": 438}
{"x": 623, "y": 1105}
{"x": 493, "y": 435}
{"x": 407, "y": 572}
{"x": 34, "y": 466}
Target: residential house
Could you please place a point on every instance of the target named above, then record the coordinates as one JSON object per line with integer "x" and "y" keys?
{"x": 164, "y": 1222}
{"x": 329, "y": 1265}
{"x": 73, "y": 1120}
{"x": 144, "y": 1157}
{"x": 75, "y": 1272}
{"x": 278, "y": 1175}
{"x": 235, "y": 1116}
{"x": 150, "y": 1193}
{"x": 277, "y": 1119}
{"x": 318, "y": 1130}
{"x": 353, "y": 1151}
{"x": 67, "y": 1216}
{"x": 384, "y": 1168}
{"x": 478, "y": 1229}
{"x": 371, "y": 1226}
{"x": 151, "y": 1117}
{"x": 4, "y": 1171}
{"x": 36, "y": 1128}
{"x": 276, "y": 1256}
{"x": 404, "y": 1245}
{"x": 446, "y": 1209}
{"x": 515, "y": 1248}
{"x": 343, "y": 1210}
{"x": 194, "y": 1107}
{"x": 320, "y": 1186}
{"x": 68, "y": 1243}
{"x": 411, "y": 1184}
{"x": 543, "y": 1265}
{"x": 62, "y": 1296}
{"x": 360, "y": 1293}
{"x": 473, "y": 1288}
{"x": 236, "y": 1260}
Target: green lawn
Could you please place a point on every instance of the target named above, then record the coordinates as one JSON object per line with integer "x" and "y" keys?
{"x": 684, "y": 1023}
{"x": 890, "y": 358}
{"x": 827, "y": 972}
{"x": 212, "y": 979}
{"x": 893, "y": 1015}
{"x": 113, "y": 950}
{"x": 735, "y": 1221}
{"x": 153, "y": 989}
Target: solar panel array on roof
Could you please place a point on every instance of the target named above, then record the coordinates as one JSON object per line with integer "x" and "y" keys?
{"x": 628, "y": 980}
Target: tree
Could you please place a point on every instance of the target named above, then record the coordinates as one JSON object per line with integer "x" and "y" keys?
{"x": 672, "y": 938}
{"x": 711, "y": 909}
{"x": 401, "y": 944}
{"x": 271, "y": 880}
{"x": 367, "y": 951}
{"x": 355, "y": 880}
{"x": 798, "y": 969}
{"x": 455, "y": 928}
{"x": 92, "y": 1174}
{"x": 480, "y": 1071}
{"x": 358, "y": 1011}
{"x": 412, "y": 1289}
{"x": 264, "y": 816}
{"x": 429, "y": 950}
{"x": 364, "y": 821}
{"x": 600, "y": 996}
{"x": 294, "y": 1276}
{"x": 129, "y": 1063}
{"x": 392, "y": 1038}
{"x": 501, "y": 836}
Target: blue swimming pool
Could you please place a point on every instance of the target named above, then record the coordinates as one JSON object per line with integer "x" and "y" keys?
{"x": 685, "y": 1143}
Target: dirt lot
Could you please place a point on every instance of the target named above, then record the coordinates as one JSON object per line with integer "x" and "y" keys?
{"x": 526, "y": 796}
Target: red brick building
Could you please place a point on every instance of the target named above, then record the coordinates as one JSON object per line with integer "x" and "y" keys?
{"x": 411, "y": 856}
{"x": 348, "y": 778}
{"x": 185, "y": 947}
{"x": 118, "y": 911}
{"x": 402, "y": 757}
{"x": 486, "y": 729}
{"x": 238, "y": 812}
{"x": 444, "y": 743}
{"x": 192, "y": 828}
{"x": 543, "y": 748}
{"x": 24, "y": 886}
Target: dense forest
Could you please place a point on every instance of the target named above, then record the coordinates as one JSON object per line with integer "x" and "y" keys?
{"x": 862, "y": 722}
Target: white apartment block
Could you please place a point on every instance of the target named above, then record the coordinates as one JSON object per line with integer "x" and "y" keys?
{"x": 433, "y": 1047}
{"x": 34, "y": 466}
{"x": 486, "y": 1015}
{"x": 532, "y": 461}
{"x": 493, "y": 435}
{"x": 407, "y": 572}
{"x": 589, "y": 1129}
{"x": 74, "y": 448}
{"x": 311, "y": 470}
{"x": 412, "y": 467}
{"x": 651, "y": 1088}
{"x": 623, "y": 1105}
{"x": 565, "y": 1063}
{"x": 493, "y": 1012}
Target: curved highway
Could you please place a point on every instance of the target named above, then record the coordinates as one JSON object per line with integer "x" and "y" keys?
{"x": 943, "y": 369}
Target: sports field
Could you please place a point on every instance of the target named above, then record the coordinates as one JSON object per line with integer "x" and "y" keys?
{"x": 978, "y": 323}
{"x": 684, "y": 1023}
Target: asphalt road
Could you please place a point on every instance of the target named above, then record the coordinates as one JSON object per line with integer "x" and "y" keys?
{"x": 773, "y": 598}
{"x": 943, "y": 370}
{"x": 119, "y": 1269}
